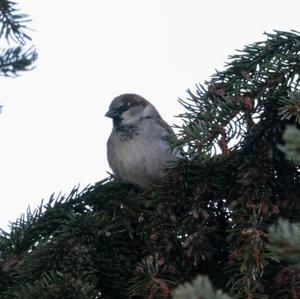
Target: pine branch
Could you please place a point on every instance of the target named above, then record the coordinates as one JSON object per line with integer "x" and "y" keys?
{"x": 151, "y": 279}
{"x": 229, "y": 106}
{"x": 291, "y": 106}
{"x": 15, "y": 60}
{"x": 13, "y": 27}
{"x": 57, "y": 285}
{"x": 13, "y": 23}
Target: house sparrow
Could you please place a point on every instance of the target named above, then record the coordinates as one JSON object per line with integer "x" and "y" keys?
{"x": 138, "y": 148}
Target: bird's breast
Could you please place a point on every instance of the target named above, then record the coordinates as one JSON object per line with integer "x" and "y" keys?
{"x": 139, "y": 159}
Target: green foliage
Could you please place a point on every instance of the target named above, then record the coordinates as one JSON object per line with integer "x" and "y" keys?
{"x": 210, "y": 216}
{"x": 53, "y": 285}
{"x": 201, "y": 287}
{"x": 13, "y": 28}
{"x": 151, "y": 278}
{"x": 236, "y": 99}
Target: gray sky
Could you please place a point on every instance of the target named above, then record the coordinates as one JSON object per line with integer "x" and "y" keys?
{"x": 53, "y": 130}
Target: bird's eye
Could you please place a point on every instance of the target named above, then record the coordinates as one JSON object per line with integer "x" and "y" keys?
{"x": 122, "y": 109}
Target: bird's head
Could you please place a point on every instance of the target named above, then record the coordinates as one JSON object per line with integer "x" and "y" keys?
{"x": 128, "y": 109}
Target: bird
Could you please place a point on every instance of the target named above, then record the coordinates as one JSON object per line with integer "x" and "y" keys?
{"x": 139, "y": 146}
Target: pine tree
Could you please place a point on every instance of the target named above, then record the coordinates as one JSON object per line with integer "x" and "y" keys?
{"x": 225, "y": 217}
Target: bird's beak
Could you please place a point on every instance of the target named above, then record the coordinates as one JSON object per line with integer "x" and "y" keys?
{"x": 112, "y": 113}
